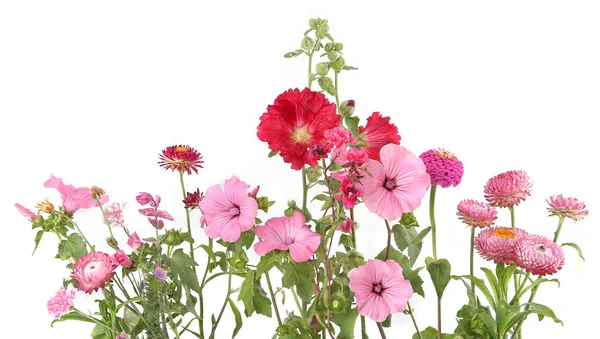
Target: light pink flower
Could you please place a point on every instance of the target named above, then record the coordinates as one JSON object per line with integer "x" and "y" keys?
{"x": 73, "y": 198}
{"x": 134, "y": 241}
{"x": 114, "y": 214}
{"x": 92, "y": 271}
{"x": 539, "y": 255}
{"x": 507, "y": 189}
{"x": 120, "y": 258}
{"x": 339, "y": 138}
{"x": 567, "y": 207}
{"x": 397, "y": 185}
{"x": 353, "y": 157}
{"x": 123, "y": 335}
{"x": 60, "y": 303}
{"x": 153, "y": 212}
{"x": 25, "y": 212}
{"x": 443, "y": 167}
{"x": 346, "y": 226}
{"x": 498, "y": 243}
{"x": 476, "y": 214}
{"x": 291, "y": 234}
{"x": 160, "y": 273}
{"x": 228, "y": 211}
{"x": 380, "y": 289}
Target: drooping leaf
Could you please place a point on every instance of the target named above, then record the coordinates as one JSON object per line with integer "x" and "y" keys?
{"x": 346, "y": 321}
{"x": 576, "y": 247}
{"x": 237, "y": 316}
{"x": 181, "y": 265}
{"x": 293, "y": 53}
{"x": 253, "y": 296}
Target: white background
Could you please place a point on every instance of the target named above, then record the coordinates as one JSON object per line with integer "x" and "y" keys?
{"x": 92, "y": 91}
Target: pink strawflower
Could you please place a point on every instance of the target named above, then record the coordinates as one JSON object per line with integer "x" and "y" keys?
{"x": 347, "y": 191}
{"x": 339, "y": 138}
{"x": 123, "y": 335}
{"x": 476, "y": 214}
{"x": 121, "y": 259}
{"x": 539, "y": 255}
{"x": 228, "y": 211}
{"x": 25, "y": 212}
{"x": 73, "y": 198}
{"x": 377, "y": 133}
{"x": 92, "y": 271}
{"x": 380, "y": 289}
{"x": 346, "y": 226}
{"x": 60, "y": 303}
{"x": 396, "y": 185}
{"x": 443, "y": 167}
{"x": 114, "y": 214}
{"x": 566, "y": 207}
{"x": 291, "y": 234}
{"x": 507, "y": 189}
{"x": 134, "y": 241}
{"x": 160, "y": 273}
{"x": 181, "y": 158}
{"x": 498, "y": 243}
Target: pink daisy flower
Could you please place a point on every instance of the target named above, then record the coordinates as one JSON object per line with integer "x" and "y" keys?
{"x": 476, "y": 214}
{"x": 507, "y": 189}
{"x": 60, "y": 303}
{"x": 114, "y": 214}
{"x": 134, "y": 241}
{"x": 539, "y": 255}
{"x": 121, "y": 259}
{"x": 228, "y": 211}
{"x": 498, "y": 243}
{"x": 92, "y": 271}
{"x": 380, "y": 289}
{"x": 396, "y": 185}
{"x": 443, "y": 167}
{"x": 73, "y": 198}
{"x": 181, "y": 158}
{"x": 378, "y": 132}
{"x": 291, "y": 234}
{"x": 566, "y": 207}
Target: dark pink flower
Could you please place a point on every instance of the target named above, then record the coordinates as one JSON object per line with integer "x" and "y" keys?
{"x": 134, "y": 241}
{"x": 92, "y": 271}
{"x": 25, "y": 212}
{"x": 153, "y": 212}
{"x": 377, "y": 133}
{"x": 123, "y": 335}
{"x": 121, "y": 259}
{"x": 192, "y": 200}
{"x": 339, "y": 138}
{"x": 347, "y": 191}
{"x": 508, "y": 189}
{"x": 443, "y": 167}
{"x": 352, "y": 157}
{"x": 566, "y": 207}
{"x": 346, "y": 226}
{"x": 181, "y": 158}
{"x": 73, "y": 198}
{"x": 144, "y": 198}
{"x": 61, "y": 302}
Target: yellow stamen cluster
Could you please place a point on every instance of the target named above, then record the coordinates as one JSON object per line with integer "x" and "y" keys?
{"x": 504, "y": 233}
{"x": 45, "y": 206}
{"x": 444, "y": 153}
{"x": 301, "y": 134}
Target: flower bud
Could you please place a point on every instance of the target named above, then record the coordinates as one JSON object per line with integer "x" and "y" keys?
{"x": 112, "y": 242}
{"x": 347, "y": 108}
{"x": 97, "y": 192}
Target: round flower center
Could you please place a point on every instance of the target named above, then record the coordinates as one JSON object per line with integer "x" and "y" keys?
{"x": 377, "y": 288}
{"x": 504, "y": 233}
{"x": 301, "y": 134}
{"x": 541, "y": 248}
{"x": 389, "y": 184}
{"x": 234, "y": 211}
{"x": 444, "y": 153}
{"x": 181, "y": 149}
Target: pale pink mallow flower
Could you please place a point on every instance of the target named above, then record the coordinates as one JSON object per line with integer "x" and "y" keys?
{"x": 498, "y": 244}
{"x": 123, "y": 335}
{"x": 73, "y": 198}
{"x": 476, "y": 214}
{"x": 60, "y": 303}
{"x": 567, "y": 207}
{"x": 443, "y": 167}
{"x": 228, "y": 211}
{"x": 396, "y": 185}
{"x": 114, "y": 214}
{"x": 25, "y": 212}
{"x": 160, "y": 273}
{"x": 539, "y": 255}
{"x": 121, "y": 259}
{"x": 380, "y": 289}
{"x": 134, "y": 241}
{"x": 283, "y": 233}
{"x": 92, "y": 271}
{"x": 507, "y": 189}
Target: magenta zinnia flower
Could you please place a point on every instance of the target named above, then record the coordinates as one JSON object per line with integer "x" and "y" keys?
{"x": 377, "y": 133}
{"x": 92, "y": 271}
{"x": 60, "y": 303}
{"x": 476, "y": 214}
{"x": 539, "y": 255}
{"x": 181, "y": 158}
{"x": 228, "y": 211}
{"x": 443, "y": 167}
{"x": 507, "y": 189}
{"x": 396, "y": 185}
{"x": 566, "y": 207}
{"x": 73, "y": 198}
{"x": 291, "y": 234}
{"x": 498, "y": 243}
{"x": 114, "y": 214}
{"x": 380, "y": 289}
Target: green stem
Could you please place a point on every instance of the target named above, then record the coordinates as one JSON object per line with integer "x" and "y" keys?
{"x": 201, "y": 294}
{"x": 105, "y": 218}
{"x": 363, "y": 327}
{"x": 297, "y": 303}
{"x": 516, "y": 277}
{"x": 471, "y": 268}
{"x": 337, "y": 99}
{"x": 273, "y": 300}
{"x": 78, "y": 229}
{"x": 92, "y": 319}
{"x": 310, "y": 75}
{"x": 381, "y": 332}
{"x": 214, "y": 328}
{"x": 187, "y": 216}
{"x": 353, "y": 228}
{"x": 412, "y": 316}
{"x": 432, "y": 219}
{"x": 558, "y": 229}
{"x": 389, "y": 240}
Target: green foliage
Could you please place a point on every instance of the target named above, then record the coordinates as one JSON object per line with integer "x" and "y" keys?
{"x": 294, "y": 327}
{"x": 181, "y": 265}
{"x": 346, "y": 321}
{"x": 237, "y": 316}
{"x": 440, "y": 274}
{"x": 409, "y": 238}
{"x": 432, "y": 333}
{"x": 264, "y": 204}
{"x": 409, "y": 274}
{"x": 253, "y": 296}
{"x": 576, "y": 247}
{"x": 301, "y": 276}
{"x": 71, "y": 248}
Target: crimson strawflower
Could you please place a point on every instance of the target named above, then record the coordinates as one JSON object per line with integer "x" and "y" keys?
{"x": 181, "y": 158}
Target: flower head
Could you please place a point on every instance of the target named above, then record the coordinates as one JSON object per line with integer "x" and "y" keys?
{"x": 228, "y": 211}
{"x": 192, "y": 200}
{"x": 134, "y": 241}
{"x": 380, "y": 289}
{"x": 60, "y": 303}
{"x": 566, "y": 207}
{"x": 539, "y": 255}
{"x": 443, "y": 167}
{"x": 476, "y": 214}
{"x": 160, "y": 273}
{"x": 378, "y": 132}
{"x": 181, "y": 158}
{"x": 507, "y": 189}
{"x": 113, "y": 214}
{"x": 92, "y": 271}
{"x": 346, "y": 226}
{"x": 347, "y": 191}
{"x": 45, "y": 206}
{"x": 73, "y": 198}
{"x": 498, "y": 243}
{"x": 295, "y": 122}
{"x": 339, "y": 138}
{"x": 352, "y": 157}
{"x": 97, "y": 192}
{"x": 397, "y": 184}
{"x": 291, "y": 234}
{"x": 121, "y": 259}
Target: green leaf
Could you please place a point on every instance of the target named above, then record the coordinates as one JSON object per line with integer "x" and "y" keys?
{"x": 409, "y": 238}
{"x": 322, "y": 68}
{"x": 346, "y": 321}
{"x": 273, "y": 153}
{"x": 541, "y": 310}
{"x": 100, "y": 332}
{"x": 267, "y": 262}
{"x": 440, "y": 275}
{"x": 181, "y": 264}
{"x": 432, "y": 333}
{"x": 419, "y": 238}
{"x": 387, "y": 322}
{"x": 576, "y": 247}
{"x": 72, "y": 247}
{"x": 533, "y": 284}
{"x": 409, "y": 274}
{"x": 493, "y": 283}
{"x": 253, "y": 296}
{"x": 299, "y": 275}
{"x": 238, "y": 317}
{"x": 38, "y": 238}
{"x": 409, "y": 220}
{"x": 349, "y": 68}
{"x": 72, "y": 316}
{"x": 481, "y": 285}
{"x": 293, "y": 53}
{"x": 352, "y": 123}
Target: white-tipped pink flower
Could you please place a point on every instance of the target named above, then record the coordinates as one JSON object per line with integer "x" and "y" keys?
{"x": 476, "y": 214}
{"x": 507, "y": 189}
{"x": 60, "y": 303}
{"x": 114, "y": 214}
{"x": 92, "y": 271}
{"x": 539, "y": 255}
{"x": 498, "y": 243}
{"x": 567, "y": 207}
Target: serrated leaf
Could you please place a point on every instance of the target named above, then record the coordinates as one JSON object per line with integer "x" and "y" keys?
{"x": 346, "y": 321}
{"x": 38, "y": 238}
{"x": 576, "y": 247}
{"x": 253, "y": 296}
{"x": 72, "y": 247}
{"x": 301, "y": 276}
{"x": 406, "y": 238}
{"x": 181, "y": 265}
{"x": 267, "y": 262}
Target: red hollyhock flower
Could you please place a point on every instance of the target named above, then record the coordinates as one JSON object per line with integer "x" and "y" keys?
{"x": 377, "y": 133}
{"x": 295, "y": 122}
{"x": 181, "y": 158}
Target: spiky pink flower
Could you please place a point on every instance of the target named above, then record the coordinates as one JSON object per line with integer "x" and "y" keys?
{"x": 60, "y": 303}
{"x": 114, "y": 214}
{"x": 498, "y": 243}
{"x": 134, "y": 241}
{"x": 192, "y": 200}
{"x": 121, "y": 259}
{"x": 92, "y": 271}
{"x": 291, "y": 234}
{"x": 508, "y": 189}
{"x": 160, "y": 273}
{"x": 25, "y": 212}
{"x": 443, "y": 167}
{"x": 380, "y": 289}
{"x": 228, "y": 211}
{"x": 181, "y": 158}
{"x": 377, "y": 133}
{"x": 73, "y": 198}
{"x": 539, "y": 255}
{"x": 476, "y": 214}
{"x": 396, "y": 185}
{"x": 567, "y": 207}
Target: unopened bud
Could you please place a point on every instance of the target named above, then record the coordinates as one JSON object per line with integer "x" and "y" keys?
{"x": 347, "y": 108}
{"x": 97, "y": 192}
{"x": 112, "y": 242}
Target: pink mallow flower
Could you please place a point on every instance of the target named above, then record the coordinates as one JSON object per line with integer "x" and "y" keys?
{"x": 507, "y": 189}
{"x": 443, "y": 167}
{"x": 92, "y": 271}
{"x": 25, "y": 212}
{"x": 114, "y": 214}
{"x": 566, "y": 207}
{"x": 134, "y": 241}
{"x": 396, "y": 185}
{"x": 291, "y": 234}
{"x": 380, "y": 289}
{"x": 73, "y": 198}
{"x": 60, "y": 303}
{"x": 120, "y": 258}
{"x": 228, "y": 211}
{"x": 498, "y": 244}
{"x": 539, "y": 255}
{"x": 476, "y": 214}
{"x": 160, "y": 273}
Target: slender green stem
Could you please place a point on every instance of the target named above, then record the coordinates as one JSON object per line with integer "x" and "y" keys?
{"x": 304, "y": 190}
{"x": 337, "y": 98}
{"x": 516, "y": 277}
{"x": 471, "y": 259}
{"x": 353, "y": 228}
{"x": 558, "y": 229}
{"x": 381, "y": 332}
{"x": 310, "y": 75}
{"x": 432, "y": 219}
{"x": 77, "y": 228}
{"x": 92, "y": 319}
{"x": 363, "y": 327}
{"x": 273, "y": 300}
{"x": 439, "y": 318}
{"x": 187, "y": 216}
{"x": 302, "y": 314}
{"x": 201, "y": 294}
{"x": 105, "y": 218}
{"x": 389, "y": 240}
{"x": 412, "y": 316}
{"x": 214, "y": 328}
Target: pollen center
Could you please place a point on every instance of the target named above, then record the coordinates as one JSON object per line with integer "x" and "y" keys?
{"x": 444, "y": 153}
{"x": 301, "y": 134}
{"x": 389, "y": 184}
{"x": 377, "y": 288}
{"x": 181, "y": 149}
{"x": 504, "y": 233}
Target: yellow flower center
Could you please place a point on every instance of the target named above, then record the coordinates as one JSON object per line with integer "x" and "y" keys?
{"x": 444, "y": 153}
{"x": 504, "y": 233}
{"x": 181, "y": 149}
{"x": 301, "y": 134}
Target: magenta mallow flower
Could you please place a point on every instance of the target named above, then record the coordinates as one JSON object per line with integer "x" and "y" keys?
{"x": 228, "y": 211}
{"x": 507, "y": 189}
{"x": 566, "y": 207}
{"x": 25, "y": 212}
{"x": 443, "y": 167}
{"x": 134, "y": 241}
{"x": 92, "y": 271}
{"x": 114, "y": 214}
{"x": 60, "y": 303}
{"x": 73, "y": 198}
{"x": 396, "y": 185}
{"x": 498, "y": 244}
{"x": 476, "y": 214}
{"x": 160, "y": 273}
{"x": 539, "y": 255}
{"x": 380, "y": 289}
{"x": 121, "y": 259}
{"x": 283, "y": 233}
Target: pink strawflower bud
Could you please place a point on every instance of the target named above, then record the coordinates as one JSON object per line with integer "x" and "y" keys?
{"x": 346, "y": 226}
{"x": 92, "y": 271}
{"x": 73, "y": 198}
{"x": 134, "y": 241}
{"x": 60, "y": 303}
{"x": 192, "y": 200}
{"x": 507, "y": 189}
{"x": 121, "y": 259}
{"x": 123, "y": 335}
{"x": 566, "y": 207}
{"x": 539, "y": 255}
{"x": 114, "y": 214}
{"x": 181, "y": 158}
{"x": 25, "y": 212}
{"x": 476, "y": 214}
{"x": 498, "y": 243}
{"x": 443, "y": 167}
{"x": 160, "y": 273}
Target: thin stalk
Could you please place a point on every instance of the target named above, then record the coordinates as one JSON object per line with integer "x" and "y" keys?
{"x": 516, "y": 277}
{"x": 76, "y": 227}
{"x": 302, "y": 314}
{"x": 337, "y": 99}
{"x": 187, "y": 216}
{"x": 432, "y": 219}
{"x": 412, "y": 316}
{"x": 214, "y": 328}
{"x": 439, "y": 318}
{"x": 310, "y": 76}
{"x": 304, "y": 190}
{"x": 273, "y": 300}
{"x": 389, "y": 240}
{"x": 363, "y": 327}
{"x": 353, "y": 228}
{"x": 201, "y": 294}
{"x": 472, "y": 250}
{"x": 380, "y": 328}
{"x": 105, "y": 218}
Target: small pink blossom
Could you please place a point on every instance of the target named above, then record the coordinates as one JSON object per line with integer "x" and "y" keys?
{"x": 153, "y": 212}
{"x": 120, "y": 258}
{"x": 443, "y": 167}
{"x": 539, "y": 255}
{"x": 498, "y": 244}
{"x": 339, "y": 138}
{"x": 134, "y": 241}
{"x": 319, "y": 151}
{"x": 73, "y": 198}
{"x": 114, "y": 214}
{"x": 25, "y": 212}
{"x": 347, "y": 191}
{"x": 476, "y": 214}
{"x": 567, "y": 207}
{"x": 160, "y": 273}
{"x": 346, "y": 226}
{"x": 92, "y": 271}
{"x": 60, "y": 303}
{"x": 123, "y": 335}
{"x": 352, "y": 157}
{"x": 508, "y": 189}
{"x": 144, "y": 198}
